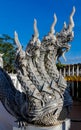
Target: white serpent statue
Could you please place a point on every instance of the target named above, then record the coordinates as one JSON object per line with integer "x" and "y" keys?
{"x": 45, "y": 98}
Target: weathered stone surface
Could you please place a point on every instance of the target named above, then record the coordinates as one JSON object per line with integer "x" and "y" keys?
{"x": 44, "y": 98}
{"x": 64, "y": 126}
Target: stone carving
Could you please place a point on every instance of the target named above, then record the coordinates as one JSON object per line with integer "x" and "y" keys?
{"x": 1, "y": 60}
{"x": 45, "y": 98}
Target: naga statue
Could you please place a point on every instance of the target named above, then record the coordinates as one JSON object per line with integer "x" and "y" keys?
{"x": 45, "y": 98}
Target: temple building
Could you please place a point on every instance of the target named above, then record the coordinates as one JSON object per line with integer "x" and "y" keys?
{"x": 72, "y": 74}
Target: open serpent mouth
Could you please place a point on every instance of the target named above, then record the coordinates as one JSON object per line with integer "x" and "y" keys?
{"x": 64, "y": 50}
{"x": 50, "y": 107}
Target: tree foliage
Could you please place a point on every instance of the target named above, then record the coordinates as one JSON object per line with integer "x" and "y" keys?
{"x": 7, "y": 47}
{"x": 60, "y": 65}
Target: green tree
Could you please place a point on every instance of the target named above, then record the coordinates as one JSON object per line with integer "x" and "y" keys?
{"x": 7, "y": 47}
{"x": 60, "y": 65}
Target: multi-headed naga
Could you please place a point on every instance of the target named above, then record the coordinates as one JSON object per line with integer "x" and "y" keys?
{"x": 44, "y": 99}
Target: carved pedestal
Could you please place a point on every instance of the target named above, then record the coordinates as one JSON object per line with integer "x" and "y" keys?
{"x": 64, "y": 126}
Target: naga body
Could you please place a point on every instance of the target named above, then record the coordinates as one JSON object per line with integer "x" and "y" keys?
{"x": 45, "y": 98}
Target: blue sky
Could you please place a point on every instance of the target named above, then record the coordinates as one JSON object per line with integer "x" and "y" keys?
{"x": 19, "y": 15}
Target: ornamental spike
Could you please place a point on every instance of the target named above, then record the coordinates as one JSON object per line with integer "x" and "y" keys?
{"x": 71, "y": 24}
{"x": 36, "y": 33}
{"x": 17, "y": 42}
{"x": 65, "y": 26}
{"x": 52, "y": 30}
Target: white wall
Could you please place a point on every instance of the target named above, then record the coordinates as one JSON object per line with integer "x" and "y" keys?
{"x": 6, "y": 120}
